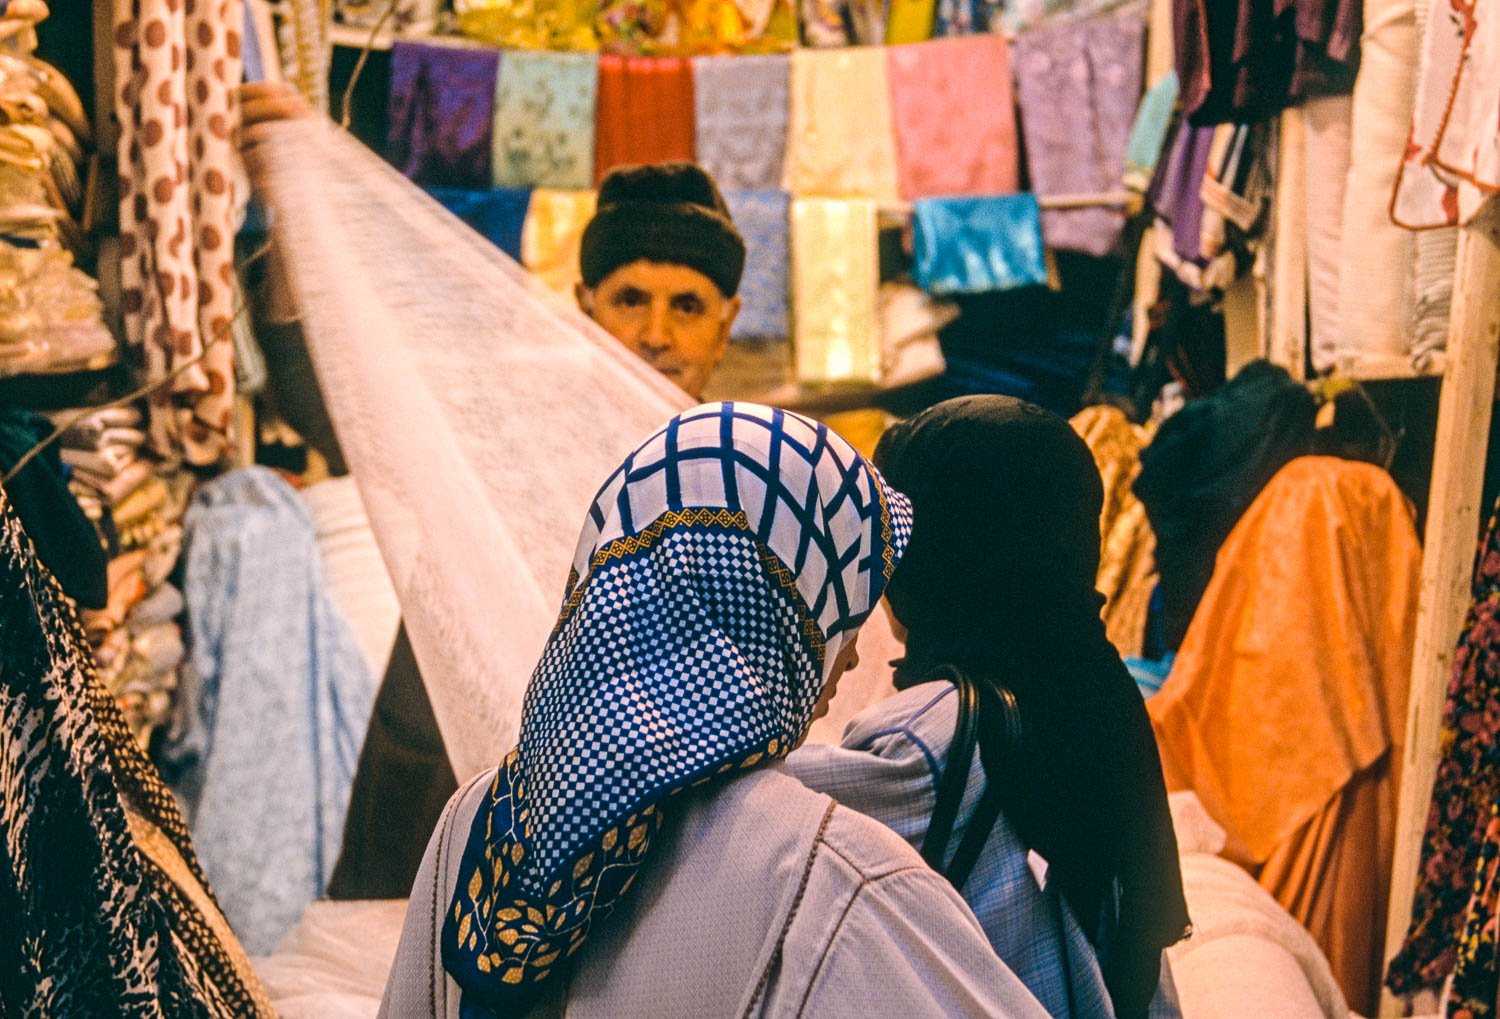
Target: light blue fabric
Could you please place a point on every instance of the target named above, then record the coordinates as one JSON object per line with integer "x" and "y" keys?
{"x": 977, "y": 245}
{"x": 277, "y": 701}
{"x": 1150, "y": 674}
{"x": 888, "y": 768}
{"x": 544, "y": 120}
{"x": 762, "y": 219}
{"x": 1148, "y": 135}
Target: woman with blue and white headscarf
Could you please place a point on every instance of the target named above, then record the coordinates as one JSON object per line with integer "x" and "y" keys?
{"x": 641, "y": 851}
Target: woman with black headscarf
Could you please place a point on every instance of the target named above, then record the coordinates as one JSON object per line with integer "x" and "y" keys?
{"x": 996, "y": 593}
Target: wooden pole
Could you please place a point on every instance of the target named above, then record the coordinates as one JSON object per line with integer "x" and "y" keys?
{"x": 1448, "y": 557}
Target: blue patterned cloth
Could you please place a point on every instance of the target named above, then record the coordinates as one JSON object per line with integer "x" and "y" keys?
{"x": 888, "y": 767}
{"x": 762, "y": 218}
{"x": 497, "y": 213}
{"x": 977, "y": 245}
{"x": 721, "y": 570}
{"x": 544, "y": 120}
{"x": 277, "y": 698}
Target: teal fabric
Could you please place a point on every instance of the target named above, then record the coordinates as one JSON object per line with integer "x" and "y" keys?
{"x": 544, "y": 120}
{"x": 1148, "y": 134}
{"x": 978, "y": 245}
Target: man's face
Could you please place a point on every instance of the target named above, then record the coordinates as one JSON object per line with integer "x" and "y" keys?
{"x": 674, "y": 318}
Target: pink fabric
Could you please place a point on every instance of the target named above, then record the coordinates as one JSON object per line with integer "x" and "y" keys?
{"x": 954, "y": 117}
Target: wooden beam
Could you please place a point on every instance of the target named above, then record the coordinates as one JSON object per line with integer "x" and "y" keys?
{"x": 1453, "y": 518}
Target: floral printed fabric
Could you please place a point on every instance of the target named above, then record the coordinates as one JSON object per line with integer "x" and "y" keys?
{"x": 741, "y": 107}
{"x": 1461, "y": 830}
{"x": 544, "y": 120}
{"x": 442, "y": 113}
{"x": 176, "y": 68}
{"x": 835, "y": 286}
{"x": 762, "y": 220}
{"x": 1452, "y": 164}
{"x": 840, "y": 142}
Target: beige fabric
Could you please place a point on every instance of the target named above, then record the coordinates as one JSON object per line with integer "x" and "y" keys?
{"x": 353, "y": 571}
{"x": 1326, "y": 155}
{"x": 1288, "y": 313}
{"x": 875, "y": 933}
{"x": 1375, "y": 289}
{"x": 333, "y": 964}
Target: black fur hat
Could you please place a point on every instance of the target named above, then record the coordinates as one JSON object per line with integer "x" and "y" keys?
{"x": 669, "y": 212}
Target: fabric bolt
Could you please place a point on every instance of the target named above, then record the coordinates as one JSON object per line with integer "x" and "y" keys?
{"x": 1073, "y": 71}
{"x": 545, "y": 106}
{"x": 442, "y": 114}
{"x": 95, "y": 925}
{"x": 1203, "y": 469}
{"x": 1326, "y": 162}
{"x": 740, "y": 126}
{"x": 1127, "y": 563}
{"x": 888, "y": 767}
{"x": 1459, "y": 820}
{"x": 835, "y": 289}
{"x": 978, "y": 245}
{"x": 552, "y": 235}
{"x": 1148, "y": 134}
{"x": 645, "y": 112}
{"x": 763, "y": 219}
{"x": 498, "y": 214}
{"x": 1313, "y": 603}
{"x": 969, "y": 148}
{"x": 1375, "y": 278}
{"x": 1177, "y": 192}
{"x": 744, "y": 539}
{"x": 279, "y": 701}
{"x": 177, "y": 154}
{"x": 1451, "y": 168}
{"x": 839, "y": 139}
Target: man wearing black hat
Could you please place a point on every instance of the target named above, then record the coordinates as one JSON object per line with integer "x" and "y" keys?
{"x": 661, "y": 263}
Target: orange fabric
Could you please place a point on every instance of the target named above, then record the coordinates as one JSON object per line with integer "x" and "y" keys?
{"x": 1287, "y": 703}
{"x": 645, "y": 112}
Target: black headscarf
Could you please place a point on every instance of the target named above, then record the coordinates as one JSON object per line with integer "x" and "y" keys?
{"x": 999, "y": 581}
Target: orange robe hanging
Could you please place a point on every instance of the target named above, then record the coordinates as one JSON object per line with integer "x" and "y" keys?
{"x": 1286, "y": 709}
{"x": 645, "y": 112}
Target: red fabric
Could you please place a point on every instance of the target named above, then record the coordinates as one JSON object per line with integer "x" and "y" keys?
{"x": 645, "y": 112}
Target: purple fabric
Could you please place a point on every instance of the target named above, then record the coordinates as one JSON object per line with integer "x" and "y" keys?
{"x": 442, "y": 113}
{"x": 1176, "y": 194}
{"x": 1078, "y": 84}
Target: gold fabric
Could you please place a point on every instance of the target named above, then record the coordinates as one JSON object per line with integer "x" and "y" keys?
{"x": 553, "y": 234}
{"x": 835, "y": 283}
{"x": 1127, "y": 564}
{"x": 1286, "y": 709}
{"x": 840, "y": 140}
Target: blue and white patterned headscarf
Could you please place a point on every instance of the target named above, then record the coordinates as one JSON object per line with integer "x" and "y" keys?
{"x": 721, "y": 570}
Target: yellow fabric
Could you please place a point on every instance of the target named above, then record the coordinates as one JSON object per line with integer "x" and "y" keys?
{"x": 553, "y": 233}
{"x": 1287, "y": 704}
{"x": 840, "y": 140}
{"x": 835, "y": 283}
{"x": 910, "y": 21}
{"x": 1127, "y": 565}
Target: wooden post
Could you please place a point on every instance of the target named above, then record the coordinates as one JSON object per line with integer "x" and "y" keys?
{"x": 1448, "y": 556}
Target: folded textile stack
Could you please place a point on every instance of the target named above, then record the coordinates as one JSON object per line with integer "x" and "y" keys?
{"x": 137, "y": 504}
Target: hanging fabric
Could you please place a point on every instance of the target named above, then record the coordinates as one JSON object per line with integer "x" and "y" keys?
{"x": 545, "y": 106}
{"x": 177, "y": 198}
{"x": 645, "y": 112}
{"x": 306, "y": 49}
{"x": 978, "y": 245}
{"x": 1326, "y": 159}
{"x": 910, "y": 21}
{"x": 499, "y": 214}
{"x": 1148, "y": 134}
{"x": 763, "y": 220}
{"x": 1287, "y": 343}
{"x": 947, "y": 143}
{"x": 553, "y": 234}
{"x": 835, "y": 286}
{"x": 741, "y": 119}
{"x": 840, "y": 142}
{"x": 442, "y": 113}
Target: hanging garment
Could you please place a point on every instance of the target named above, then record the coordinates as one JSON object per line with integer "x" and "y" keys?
{"x": 107, "y": 912}
{"x": 978, "y": 245}
{"x": 741, "y": 119}
{"x": 1148, "y": 134}
{"x": 1078, "y": 84}
{"x": 1127, "y": 566}
{"x": 1457, "y": 840}
{"x": 498, "y": 214}
{"x": 946, "y": 142}
{"x": 1375, "y": 279}
{"x": 552, "y": 236}
{"x": 1177, "y": 192}
{"x": 1286, "y": 709}
{"x": 645, "y": 112}
{"x": 839, "y": 142}
{"x": 835, "y": 287}
{"x": 1326, "y": 159}
{"x": 763, "y": 219}
{"x": 545, "y": 107}
{"x": 1205, "y": 466}
{"x": 442, "y": 114}
{"x": 177, "y": 199}
{"x": 1452, "y": 166}
{"x": 280, "y": 699}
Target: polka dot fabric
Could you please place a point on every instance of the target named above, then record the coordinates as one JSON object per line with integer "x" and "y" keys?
{"x": 721, "y": 569}
{"x": 177, "y": 64}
